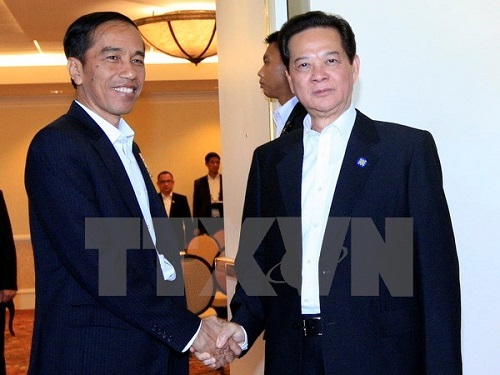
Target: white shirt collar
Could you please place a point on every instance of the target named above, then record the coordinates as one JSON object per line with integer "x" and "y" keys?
{"x": 111, "y": 131}
{"x": 282, "y": 113}
{"x": 344, "y": 123}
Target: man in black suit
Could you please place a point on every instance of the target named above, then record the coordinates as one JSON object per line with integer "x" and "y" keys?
{"x": 207, "y": 196}
{"x": 177, "y": 206}
{"x": 90, "y": 199}
{"x": 361, "y": 275}
{"x": 8, "y": 271}
{"x": 274, "y": 84}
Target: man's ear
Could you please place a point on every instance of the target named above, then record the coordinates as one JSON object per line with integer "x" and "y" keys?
{"x": 75, "y": 69}
{"x": 289, "y": 80}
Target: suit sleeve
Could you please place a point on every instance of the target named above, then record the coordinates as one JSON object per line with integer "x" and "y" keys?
{"x": 8, "y": 269}
{"x": 248, "y": 311}
{"x": 437, "y": 262}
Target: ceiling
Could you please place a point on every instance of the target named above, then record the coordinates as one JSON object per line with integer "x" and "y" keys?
{"x": 46, "y": 21}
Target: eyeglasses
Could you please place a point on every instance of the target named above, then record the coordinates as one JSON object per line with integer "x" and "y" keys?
{"x": 165, "y": 181}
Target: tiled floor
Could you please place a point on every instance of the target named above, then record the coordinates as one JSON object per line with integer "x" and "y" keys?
{"x": 17, "y": 348}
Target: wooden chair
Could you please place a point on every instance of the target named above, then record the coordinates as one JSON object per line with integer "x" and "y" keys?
{"x": 223, "y": 267}
{"x": 207, "y": 248}
{"x": 199, "y": 285}
{"x": 219, "y": 238}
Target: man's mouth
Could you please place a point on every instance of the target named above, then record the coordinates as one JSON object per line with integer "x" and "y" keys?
{"x": 125, "y": 90}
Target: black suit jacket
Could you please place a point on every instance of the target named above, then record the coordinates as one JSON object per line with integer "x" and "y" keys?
{"x": 361, "y": 335}
{"x": 296, "y": 119}
{"x": 202, "y": 207}
{"x": 73, "y": 173}
{"x": 201, "y": 197}
{"x": 180, "y": 211}
{"x": 8, "y": 269}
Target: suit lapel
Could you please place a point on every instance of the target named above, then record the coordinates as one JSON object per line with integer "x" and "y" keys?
{"x": 295, "y": 120}
{"x": 289, "y": 170}
{"x": 108, "y": 155}
{"x": 357, "y": 165}
{"x": 155, "y": 205}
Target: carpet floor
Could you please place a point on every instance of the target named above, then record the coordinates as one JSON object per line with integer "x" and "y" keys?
{"x": 17, "y": 348}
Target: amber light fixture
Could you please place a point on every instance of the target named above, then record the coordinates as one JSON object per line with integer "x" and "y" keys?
{"x": 188, "y": 34}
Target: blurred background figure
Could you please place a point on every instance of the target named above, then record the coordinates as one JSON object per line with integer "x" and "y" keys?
{"x": 207, "y": 196}
{"x": 274, "y": 84}
{"x": 8, "y": 273}
{"x": 176, "y": 206}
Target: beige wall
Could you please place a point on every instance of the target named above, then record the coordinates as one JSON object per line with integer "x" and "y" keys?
{"x": 175, "y": 129}
{"x": 175, "y": 125}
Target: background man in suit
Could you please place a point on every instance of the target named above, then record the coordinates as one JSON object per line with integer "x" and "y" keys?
{"x": 344, "y": 166}
{"x": 207, "y": 196}
{"x": 177, "y": 206}
{"x": 274, "y": 84}
{"x": 85, "y": 165}
{"x": 8, "y": 271}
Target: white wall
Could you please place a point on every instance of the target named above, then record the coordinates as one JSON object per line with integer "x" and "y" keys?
{"x": 244, "y": 121}
{"x": 434, "y": 65}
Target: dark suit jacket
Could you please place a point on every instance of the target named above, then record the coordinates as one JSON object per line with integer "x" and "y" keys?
{"x": 201, "y": 197}
{"x": 72, "y": 173}
{"x": 202, "y": 206}
{"x": 296, "y": 119}
{"x": 180, "y": 210}
{"x": 361, "y": 335}
{"x": 8, "y": 270}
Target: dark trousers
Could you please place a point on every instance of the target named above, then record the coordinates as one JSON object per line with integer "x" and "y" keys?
{"x": 2, "y": 338}
{"x": 312, "y": 356}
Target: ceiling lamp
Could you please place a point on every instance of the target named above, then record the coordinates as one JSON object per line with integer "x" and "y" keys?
{"x": 188, "y": 34}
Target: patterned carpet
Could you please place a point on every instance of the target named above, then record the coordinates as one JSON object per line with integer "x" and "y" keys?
{"x": 17, "y": 348}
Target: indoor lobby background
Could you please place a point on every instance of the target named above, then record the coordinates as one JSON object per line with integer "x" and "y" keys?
{"x": 431, "y": 65}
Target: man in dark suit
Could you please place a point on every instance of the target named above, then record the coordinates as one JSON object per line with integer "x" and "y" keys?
{"x": 361, "y": 196}
{"x": 177, "y": 206}
{"x": 8, "y": 271}
{"x": 90, "y": 199}
{"x": 207, "y": 196}
{"x": 274, "y": 84}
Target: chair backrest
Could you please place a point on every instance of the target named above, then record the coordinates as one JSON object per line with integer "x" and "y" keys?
{"x": 205, "y": 247}
{"x": 220, "y": 272}
{"x": 220, "y": 239}
{"x": 199, "y": 283}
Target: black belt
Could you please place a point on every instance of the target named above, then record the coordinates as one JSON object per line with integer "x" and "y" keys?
{"x": 312, "y": 326}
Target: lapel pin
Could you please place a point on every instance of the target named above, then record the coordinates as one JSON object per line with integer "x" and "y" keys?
{"x": 362, "y": 162}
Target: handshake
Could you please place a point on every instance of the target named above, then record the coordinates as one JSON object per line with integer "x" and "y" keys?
{"x": 218, "y": 343}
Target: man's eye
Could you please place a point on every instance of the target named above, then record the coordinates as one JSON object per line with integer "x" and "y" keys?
{"x": 303, "y": 66}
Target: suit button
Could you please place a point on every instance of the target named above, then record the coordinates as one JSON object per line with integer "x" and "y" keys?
{"x": 296, "y": 326}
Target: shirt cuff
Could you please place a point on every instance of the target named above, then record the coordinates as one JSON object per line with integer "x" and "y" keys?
{"x": 190, "y": 343}
{"x": 244, "y": 345}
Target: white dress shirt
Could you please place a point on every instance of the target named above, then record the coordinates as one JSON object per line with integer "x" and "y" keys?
{"x": 122, "y": 138}
{"x": 282, "y": 113}
{"x": 323, "y": 155}
{"x": 214, "y": 187}
{"x": 167, "y": 202}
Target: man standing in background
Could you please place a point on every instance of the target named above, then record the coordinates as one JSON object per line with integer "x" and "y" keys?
{"x": 207, "y": 196}
{"x": 177, "y": 207}
{"x": 8, "y": 272}
{"x": 274, "y": 84}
